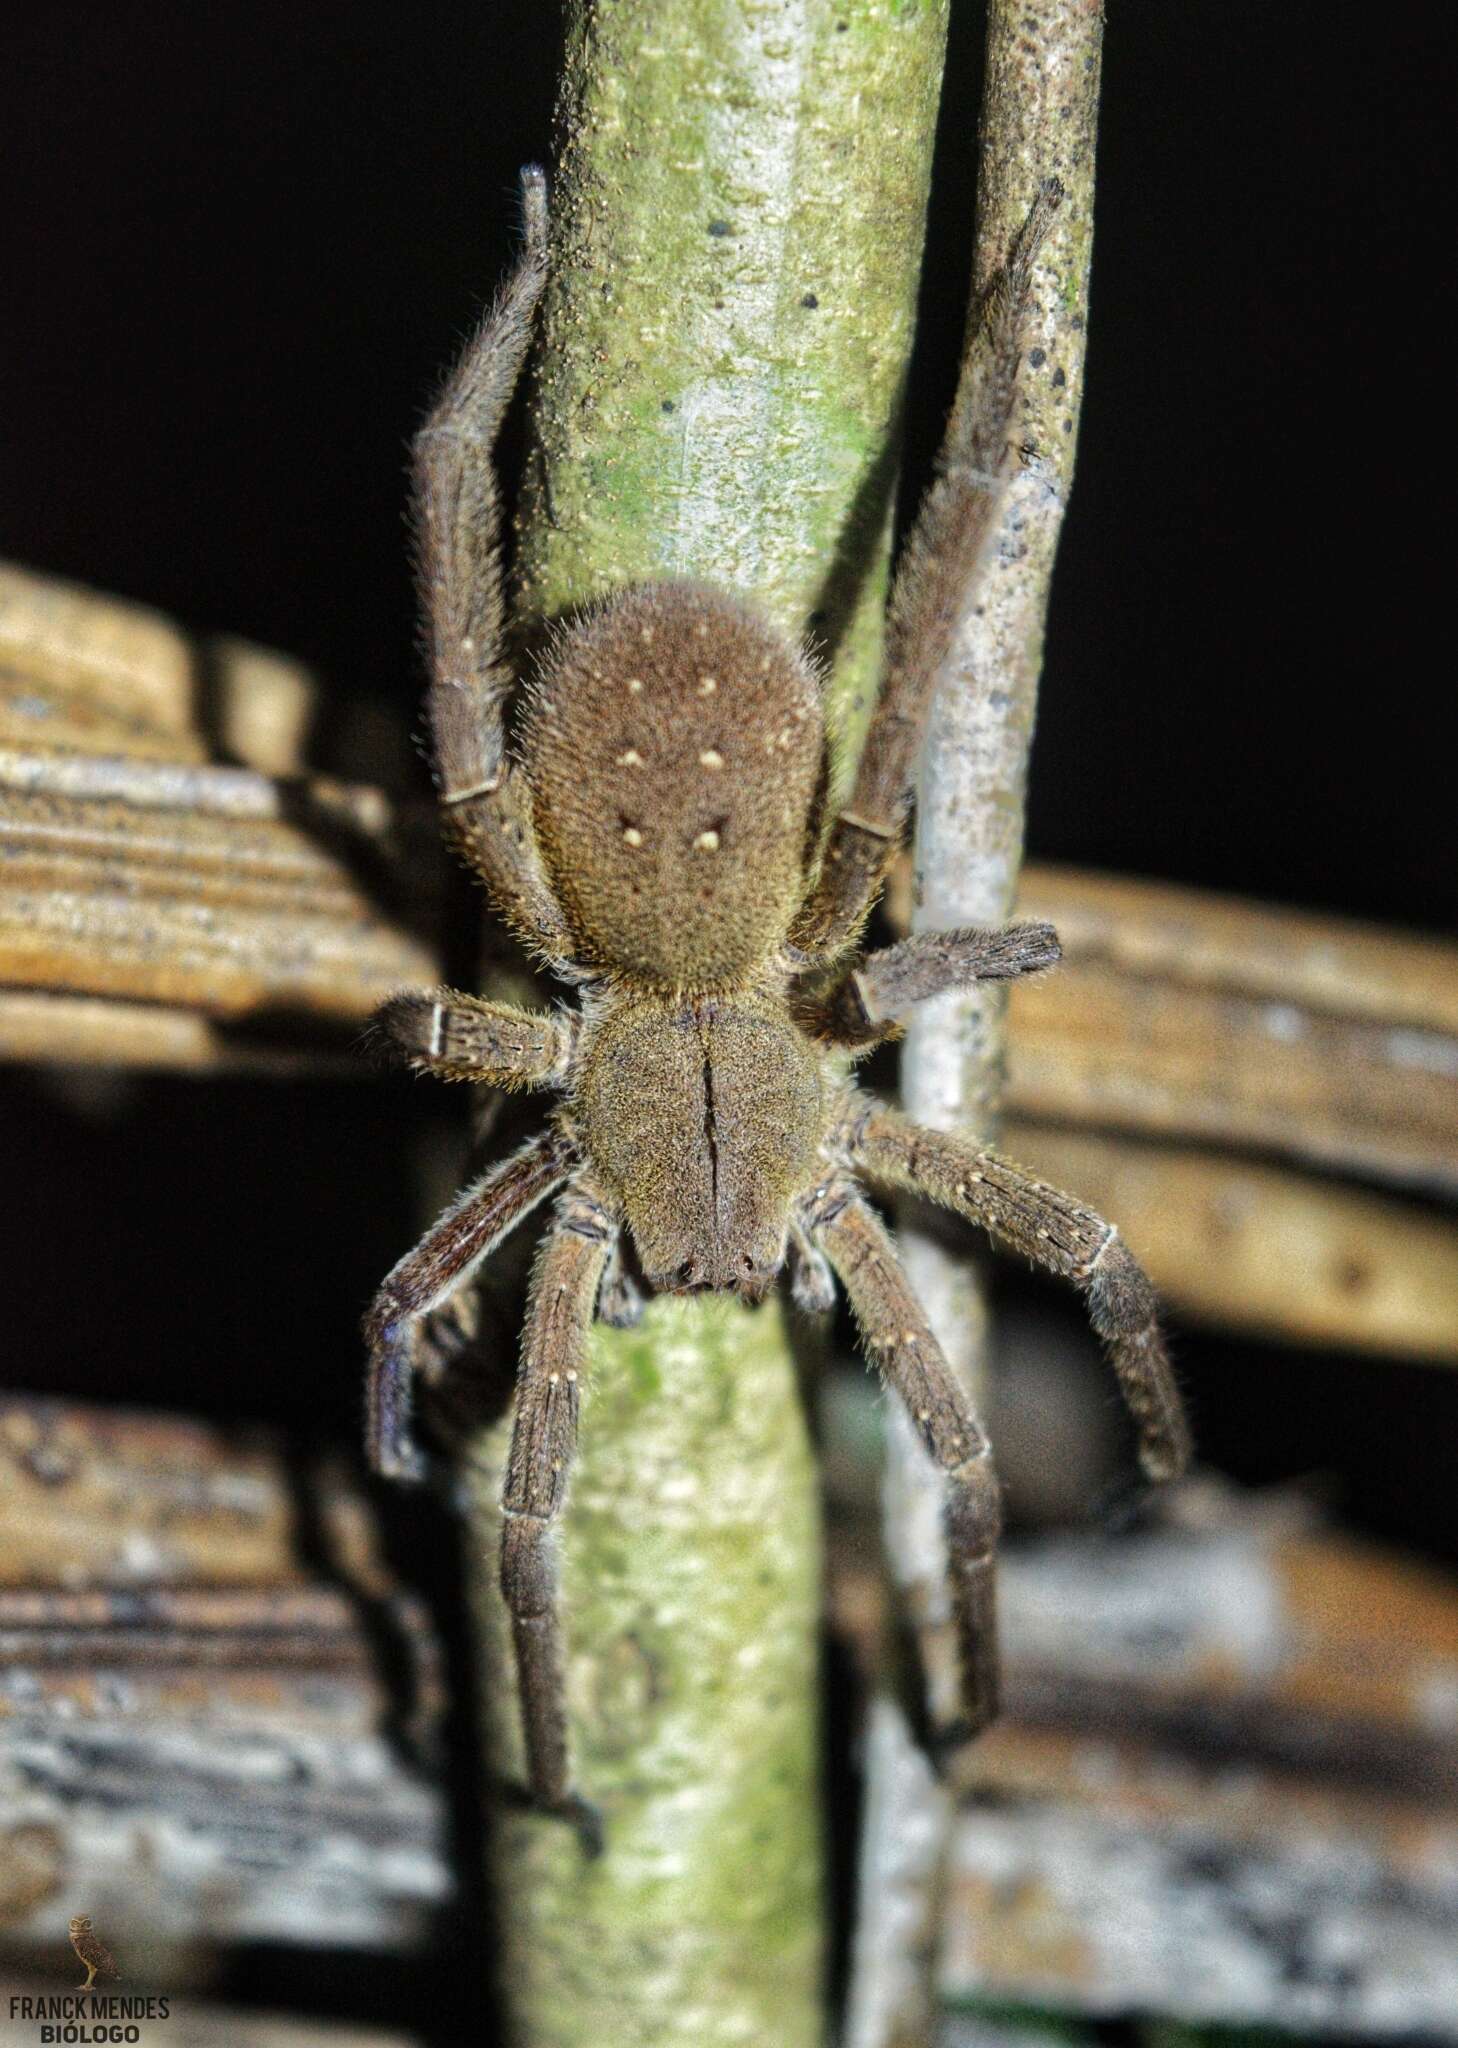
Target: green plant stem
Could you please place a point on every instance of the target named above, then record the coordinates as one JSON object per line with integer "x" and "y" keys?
{"x": 738, "y": 217}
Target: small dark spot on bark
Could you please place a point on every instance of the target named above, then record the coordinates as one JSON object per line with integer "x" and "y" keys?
{"x": 816, "y": 619}
{"x": 841, "y": 27}
{"x": 1037, "y": 357}
{"x": 667, "y": 405}
{"x": 1352, "y": 1276}
{"x": 810, "y": 300}
{"x": 1060, "y": 377}
{"x": 718, "y": 227}
{"x": 1068, "y": 426}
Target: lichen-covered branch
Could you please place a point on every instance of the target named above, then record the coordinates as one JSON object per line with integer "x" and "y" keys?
{"x": 736, "y": 244}
{"x": 1039, "y": 119}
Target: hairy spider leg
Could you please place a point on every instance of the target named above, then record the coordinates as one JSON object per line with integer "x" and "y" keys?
{"x": 1055, "y": 1232}
{"x": 459, "y": 1037}
{"x": 458, "y": 550}
{"x": 445, "y": 1258}
{"x": 935, "y": 578}
{"x": 914, "y": 1366}
{"x": 865, "y": 1002}
{"x": 560, "y": 1310}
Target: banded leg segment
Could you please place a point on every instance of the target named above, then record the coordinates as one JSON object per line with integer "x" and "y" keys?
{"x": 1055, "y": 1232}
{"x": 544, "y": 1438}
{"x": 864, "y": 1005}
{"x": 465, "y": 1038}
{"x": 935, "y": 586}
{"x": 913, "y": 1365}
{"x": 458, "y": 545}
{"x": 444, "y": 1260}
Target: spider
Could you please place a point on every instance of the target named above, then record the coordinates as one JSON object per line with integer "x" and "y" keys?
{"x": 656, "y": 836}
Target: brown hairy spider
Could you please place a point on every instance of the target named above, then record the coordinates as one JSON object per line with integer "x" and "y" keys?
{"x": 656, "y": 837}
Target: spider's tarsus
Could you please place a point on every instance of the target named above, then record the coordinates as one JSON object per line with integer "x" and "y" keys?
{"x": 588, "y": 1822}
{"x": 532, "y": 183}
{"x": 584, "y": 1819}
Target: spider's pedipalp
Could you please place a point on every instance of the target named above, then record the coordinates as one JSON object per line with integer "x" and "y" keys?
{"x": 915, "y": 1368}
{"x": 1055, "y": 1232}
{"x": 864, "y": 1004}
{"x": 444, "y": 1260}
{"x": 620, "y": 1300}
{"x": 464, "y": 1038}
{"x": 812, "y": 1283}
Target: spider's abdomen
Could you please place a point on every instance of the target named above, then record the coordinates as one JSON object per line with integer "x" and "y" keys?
{"x": 673, "y": 744}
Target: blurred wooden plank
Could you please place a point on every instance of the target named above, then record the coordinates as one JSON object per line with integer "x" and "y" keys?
{"x": 196, "y": 1738}
{"x": 1265, "y": 1249}
{"x": 81, "y": 669}
{"x": 1181, "y": 1013}
{"x": 1093, "y": 1047}
{"x": 101, "y": 1031}
{"x": 1224, "y": 1784}
{"x": 214, "y": 888}
{"x": 100, "y": 1498}
{"x": 1225, "y": 1787}
{"x": 1199, "y": 939}
{"x": 1108, "y": 1877}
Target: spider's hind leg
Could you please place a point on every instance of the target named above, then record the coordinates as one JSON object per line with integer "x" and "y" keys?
{"x": 560, "y": 1310}
{"x": 913, "y": 1365}
{"x": 1055, "y": 1232}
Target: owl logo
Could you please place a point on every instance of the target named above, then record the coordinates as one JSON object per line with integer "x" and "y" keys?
{"x": 92, "y": 1951}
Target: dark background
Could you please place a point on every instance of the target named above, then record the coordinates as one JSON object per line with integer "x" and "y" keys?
{"x": 238, "y": 245}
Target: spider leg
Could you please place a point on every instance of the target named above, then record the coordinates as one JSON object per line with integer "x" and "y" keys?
{"x": 935, "y": 586}
{"x": 913, "y": 1365}
{"x": 458, "y": 544}
{"x": 464, "y": 1038}
{"x": 543, "y": 1440}
{"x": 812, "y": 1284}
{"x": 446, "y": 1256}
{"x": 1054, "y": 1231}
{"x": 862, "y": 1006}
{"x": 620, "y": 1300}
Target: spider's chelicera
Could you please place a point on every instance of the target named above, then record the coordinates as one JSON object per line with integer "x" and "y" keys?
{"x": 656, "y": 837}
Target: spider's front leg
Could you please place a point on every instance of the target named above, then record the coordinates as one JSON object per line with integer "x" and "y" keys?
{"x": 1056, "y": 1233}
{"x": 936, "y": 585}
{"x": 913, "y": 1365}
{"x": 560, "y": 1311}
{"x": 444, "y": 1260}
{"x": 458, "y": 545}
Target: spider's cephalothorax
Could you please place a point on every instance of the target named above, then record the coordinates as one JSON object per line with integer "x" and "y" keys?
{"x": 657, "y": 839}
